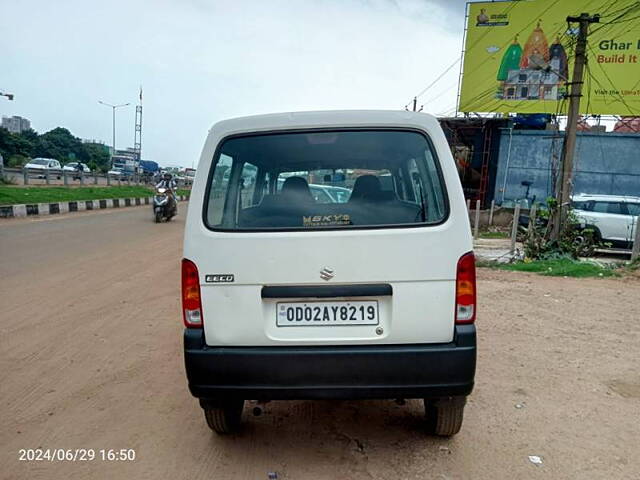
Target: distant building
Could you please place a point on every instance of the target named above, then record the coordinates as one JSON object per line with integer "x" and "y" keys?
{"x": 92, "y": 141}
{"x": 16, "y": 124}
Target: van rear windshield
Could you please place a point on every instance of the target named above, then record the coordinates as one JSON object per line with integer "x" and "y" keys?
{"x": 325, "y": 179}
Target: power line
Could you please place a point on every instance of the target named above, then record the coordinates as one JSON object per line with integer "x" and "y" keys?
{"x": 606, "y": 13}
{"x": 424, "y": 90}
{"x": 623, "y": 20}
{"x": 458, "y": 60}
{"x": 439, "y": 77}
{"x": 613, "y": 87}
{"x": 626, "y": 11}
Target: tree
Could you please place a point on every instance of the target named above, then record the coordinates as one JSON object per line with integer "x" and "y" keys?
{"x": 58, "y": 143}
{"x": 14, "y": 144}
{"x": 96, "y": 156}
{"x": 17, "y": 161}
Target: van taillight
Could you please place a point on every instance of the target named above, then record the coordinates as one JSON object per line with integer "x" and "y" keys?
{"x": 191, "y": 302}
{"x": 466, "y": 289}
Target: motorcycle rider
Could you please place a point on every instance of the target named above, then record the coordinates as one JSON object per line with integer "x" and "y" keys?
{"x": 79, "y": 171}
{"x": 170, "y": 184}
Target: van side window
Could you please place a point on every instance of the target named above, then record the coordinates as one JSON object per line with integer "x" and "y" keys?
{"x": 434, "y": 188}
{"x": 615, "y": 208}
{"x": 218, "y": 189}
{"x": 634, "y": 209}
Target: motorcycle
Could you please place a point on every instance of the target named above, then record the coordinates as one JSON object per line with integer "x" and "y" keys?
{"x": 164, "y": 204}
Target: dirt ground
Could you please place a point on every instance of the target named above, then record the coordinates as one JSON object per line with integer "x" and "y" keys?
{"x": 90, "y": 357}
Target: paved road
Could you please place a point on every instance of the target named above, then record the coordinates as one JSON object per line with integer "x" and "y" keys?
{"x": 90, "y": 357}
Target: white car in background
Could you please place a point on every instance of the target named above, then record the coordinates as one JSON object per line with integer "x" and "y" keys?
{"x": 73, "y": 167}
{"x": 44, "y": 164}
{"x": 115, "y": 173}
{"x": 329, "y": 193}
{"x": 612, "y": 217}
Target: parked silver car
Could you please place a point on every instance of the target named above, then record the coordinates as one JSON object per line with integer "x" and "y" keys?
{"x": 614, "y": 218}
{"x": 44, "y": 164}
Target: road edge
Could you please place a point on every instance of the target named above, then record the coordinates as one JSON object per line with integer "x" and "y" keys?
{"x": 55, "y": 208}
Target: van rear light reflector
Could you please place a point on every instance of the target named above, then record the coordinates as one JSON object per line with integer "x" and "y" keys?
{"x": 191, "y": 300}
{"x": 466, "y": 289}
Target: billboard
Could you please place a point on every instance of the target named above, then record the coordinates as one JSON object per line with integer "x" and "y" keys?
{"x": 519, "y": 57}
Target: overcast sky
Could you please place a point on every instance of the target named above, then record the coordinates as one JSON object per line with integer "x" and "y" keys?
{"x": 200, "y": 61}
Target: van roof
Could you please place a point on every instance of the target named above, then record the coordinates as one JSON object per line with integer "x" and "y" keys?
{"x": 323, "y": 119}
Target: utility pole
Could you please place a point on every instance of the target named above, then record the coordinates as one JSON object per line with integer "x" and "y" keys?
{"x": 564, "y": 184}
{"x": 137, "y": 136}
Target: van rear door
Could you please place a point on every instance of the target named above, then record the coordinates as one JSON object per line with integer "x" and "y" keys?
{"x": 376, "y": 265}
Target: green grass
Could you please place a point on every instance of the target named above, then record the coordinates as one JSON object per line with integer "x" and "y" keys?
{"x": 27, "y": 195}
{"x": 559, "y": 267}
{"x": 494, "y": 235}
{"x": 183, "y": 191}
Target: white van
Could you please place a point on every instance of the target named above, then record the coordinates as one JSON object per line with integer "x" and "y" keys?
{"x": 285, "y": 297}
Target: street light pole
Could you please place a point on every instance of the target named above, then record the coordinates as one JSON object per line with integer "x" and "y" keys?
{"x": 113, "y": 110}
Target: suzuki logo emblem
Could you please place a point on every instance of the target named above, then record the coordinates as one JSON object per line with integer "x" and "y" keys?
{"x": 326, "y": 274}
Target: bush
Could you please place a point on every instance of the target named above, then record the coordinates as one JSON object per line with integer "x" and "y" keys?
{"x": 574, "y": 241}
{"x": 17, "y": 161}
{"x": 7, "y": 181}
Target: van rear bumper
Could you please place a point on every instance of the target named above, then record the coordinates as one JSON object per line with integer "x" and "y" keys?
{"x": 356, "y": 371}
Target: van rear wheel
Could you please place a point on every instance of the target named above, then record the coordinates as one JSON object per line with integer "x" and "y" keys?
{"x": 225, "y": 417}
{"x": 444, "y": 415}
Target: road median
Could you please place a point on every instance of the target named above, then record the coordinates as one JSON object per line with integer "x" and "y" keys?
{"x": 16, "y": 202}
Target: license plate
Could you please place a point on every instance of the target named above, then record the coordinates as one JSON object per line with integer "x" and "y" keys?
{"x": 299, "y": 314}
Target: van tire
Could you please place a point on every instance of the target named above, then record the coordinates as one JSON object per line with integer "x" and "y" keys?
{"x": 444, "y": 416}
{"x": 225, "y": 418}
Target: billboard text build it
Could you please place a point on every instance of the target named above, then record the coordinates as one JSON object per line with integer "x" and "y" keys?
{"x": 519, "y": 57}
